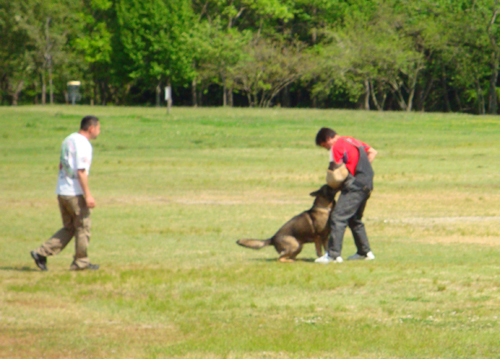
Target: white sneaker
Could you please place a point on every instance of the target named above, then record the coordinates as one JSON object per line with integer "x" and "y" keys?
{"x": 356, "y": 257}
{"x": 327, "y": 259}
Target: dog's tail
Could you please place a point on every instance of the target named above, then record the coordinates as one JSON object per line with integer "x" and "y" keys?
{"x": 254, "y": 243}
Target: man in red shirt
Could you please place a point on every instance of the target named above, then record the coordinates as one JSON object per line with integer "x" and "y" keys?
{"x": 355, "y": 191}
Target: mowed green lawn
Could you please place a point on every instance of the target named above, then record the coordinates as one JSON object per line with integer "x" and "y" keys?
{"x": 175, "y": 192}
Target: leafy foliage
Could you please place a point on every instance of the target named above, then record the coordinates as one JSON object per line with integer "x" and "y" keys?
{"x": 373, "y": 54}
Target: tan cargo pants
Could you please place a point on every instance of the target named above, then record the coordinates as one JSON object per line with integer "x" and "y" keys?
{"x": 76, "y": 223}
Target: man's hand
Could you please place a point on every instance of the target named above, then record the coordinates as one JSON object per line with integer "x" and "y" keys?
{"x": 371, "y": 154}
{"x": 90, "y": 201}
{"x": 84, "y": 183}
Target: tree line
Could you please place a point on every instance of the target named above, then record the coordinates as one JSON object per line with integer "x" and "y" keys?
{"x": 426, "y": 55}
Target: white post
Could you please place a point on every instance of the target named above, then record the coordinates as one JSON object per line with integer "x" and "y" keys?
{"x": 168, "y": 97}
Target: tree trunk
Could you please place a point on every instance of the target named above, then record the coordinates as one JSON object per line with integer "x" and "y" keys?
{"x": 493, "y": 97}
{"x": 169, "y": 101}
{"x": 158, "y": 93}
{"x": 410, "y": 100}
{"x": 94, "y": 95}
{"x": 457, "y": 98}
{"x": 35, "y": 90}
{"x": 413, "y": 86}
{"x": 194, "y": 93}
{"x": 285, "y": 97}
{"x": 367, "y": 95}
{"x": 230, "y": 97}
{"x": 2, "y": 86}
{"x": 445, "y": 91}
{"x": 122, "y": 94}
{"x": 48, "y": 60}
{"x": 425, "y": 94}
{"x": 399, "y": 96}
{"x": 224, "y": 92}
{"x": 249, "y": 97}
{"x": 480, "y": 99}
{"x": 255, "y": 99}
{"x": 104, "y": 92}
{"x": 51, "y": 87}
{"x": 495, "y": 54}
{"x": 262, "y": 99}
{"x": 17, "y": 91}
{"x": 44, "y": 87}
{"x": 374, "y": 96}
{"x": 314, "y": 34}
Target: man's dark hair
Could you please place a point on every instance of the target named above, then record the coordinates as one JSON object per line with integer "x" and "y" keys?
{"x": 88, "y": 121}
{"x": 324, "y": 134}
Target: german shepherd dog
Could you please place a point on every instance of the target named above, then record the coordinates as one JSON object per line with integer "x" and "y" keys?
{"x": 308, "y": 227}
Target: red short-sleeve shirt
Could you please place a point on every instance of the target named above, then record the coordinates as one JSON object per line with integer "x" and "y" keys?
{"x": 345, "y": 151}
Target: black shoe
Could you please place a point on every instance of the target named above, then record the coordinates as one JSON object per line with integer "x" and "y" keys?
{"x": 90, "y": 266}
{"x": 41, "y": 261}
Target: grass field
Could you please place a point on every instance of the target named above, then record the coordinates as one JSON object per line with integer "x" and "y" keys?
{"x": 175, "y": 192}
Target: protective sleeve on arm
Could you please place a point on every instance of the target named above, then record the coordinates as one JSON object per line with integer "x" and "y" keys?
{"x": 336, "y": 177}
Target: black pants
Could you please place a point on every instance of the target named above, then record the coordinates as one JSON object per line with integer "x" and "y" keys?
{"x": 348, "y": 212}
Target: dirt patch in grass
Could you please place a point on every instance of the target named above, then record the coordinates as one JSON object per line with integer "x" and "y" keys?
{"x": 489, "y": 241}
{"x": 205, "y": 199}
{"x": 426, "y": 221}
{"x": 445, "y": 230}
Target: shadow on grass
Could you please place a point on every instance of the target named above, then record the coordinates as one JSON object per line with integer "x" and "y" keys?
{"x": 19, "y": 269}
{"x": 309, "y": 260}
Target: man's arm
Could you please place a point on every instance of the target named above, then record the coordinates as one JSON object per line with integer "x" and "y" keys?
{"x": 371, "y": 153}
{"x": 84, "y": 183}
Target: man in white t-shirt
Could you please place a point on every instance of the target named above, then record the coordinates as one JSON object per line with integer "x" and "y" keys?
{"x": 75, "y": 199}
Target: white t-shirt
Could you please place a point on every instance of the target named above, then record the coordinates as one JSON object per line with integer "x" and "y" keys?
{"x": 76, "y": 154}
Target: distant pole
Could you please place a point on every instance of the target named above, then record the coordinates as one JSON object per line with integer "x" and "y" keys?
{"x": 168, "y": 98}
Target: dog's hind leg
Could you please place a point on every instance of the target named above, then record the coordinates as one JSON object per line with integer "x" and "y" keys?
{"x": 289, "y": 248}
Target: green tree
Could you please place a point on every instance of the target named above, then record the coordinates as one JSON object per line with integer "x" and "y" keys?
{"x": 46, "y": 25}
{"x": 230, "y": 24}
{"x": 152, "y": 37}
{"x": 93, "y": 44}
{"x": 267, "y": 68}
{"x": 216, "y": 51}
{"x": 369, "y": 56}
{"x": 243, "y": 14}
{"x": 15, "y": 64}
{"x": 462, "y": 38}
{"x": 477, "y": 27}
